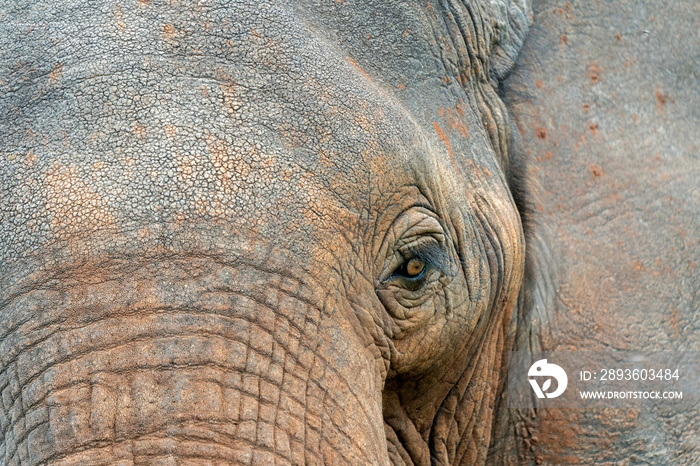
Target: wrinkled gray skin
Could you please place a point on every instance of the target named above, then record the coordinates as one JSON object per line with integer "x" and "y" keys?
{"x": 606, "y": 98}
{"x": 207, "y": 209}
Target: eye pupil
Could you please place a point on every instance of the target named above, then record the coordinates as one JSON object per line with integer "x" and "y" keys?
{"x": 414, "y": 267}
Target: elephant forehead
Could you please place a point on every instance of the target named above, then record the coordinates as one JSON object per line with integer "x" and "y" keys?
{"x": 238, "y": 119}
{"x": 182, "y": 175}
{"x": 281, "y": 136}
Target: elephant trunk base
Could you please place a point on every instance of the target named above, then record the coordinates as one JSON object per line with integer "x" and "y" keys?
{"x": 181, "y": 398}
{"x": 128, "y": 373}
{"x": 161, "y": 415}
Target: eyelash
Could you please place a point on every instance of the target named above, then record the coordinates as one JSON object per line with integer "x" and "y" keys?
{"x": 431, "y": 254}
{"x": 433, "y": 258}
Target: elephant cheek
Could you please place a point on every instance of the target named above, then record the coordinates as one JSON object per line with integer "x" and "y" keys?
{"x": 126, "y": 372}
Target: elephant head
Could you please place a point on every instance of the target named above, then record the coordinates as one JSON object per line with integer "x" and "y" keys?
{"x": 257, "y": 232}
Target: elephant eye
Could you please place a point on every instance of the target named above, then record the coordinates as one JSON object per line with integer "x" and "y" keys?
{"x": 412, "y": 274}
{"x": 413, "y": 268}
{"x": 415, "y": 258}
{"x": 417, "y": 264}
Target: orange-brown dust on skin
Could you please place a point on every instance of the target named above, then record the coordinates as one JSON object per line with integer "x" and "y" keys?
{"x": 590, "y": 292}
{"x": 594, "y": 73}
{"x": 661, "y": 98}
{"x": 675, "y": 315}
{"x": 354, "y": 63}
{"x": 454, "y": 117}
{"x": 232, "y": 170}
{"x": 595, "y": 170}
{"x": 168, "y": 30}
{"x": 98, "y": 166}
{"x": 563, "y": 39}
{"x": 118, "y": 13}
{"x": 144, "y": 233}
{"x": 72, "y": 204}
{"x": 230, "y": 93}
{"x": 586, "y": 107}
{"x": 224, "y": 161}
{"x": 170, "y": 130}
{"x": 361, "y": 120}
{"x": 541, "y": 133}
{"x": 129, "y": 162}
{"x": 185, "y": 166}
{"x": 139, "y": 129}
{"x": 559, "y": 433}
{"x": 448, "y": 145}
{"x": 30, "y": 159}
{"x": 270, "y": 52}
{"x": 618, "y": 36}
{"x": 180, "y": 217}
{"x": 55, "y": 72}
{"x": 539, "y": 84}
{"x": 547, "y": 155}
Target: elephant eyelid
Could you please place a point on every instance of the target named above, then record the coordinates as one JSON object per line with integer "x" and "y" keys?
{"x": 431, "y": 254}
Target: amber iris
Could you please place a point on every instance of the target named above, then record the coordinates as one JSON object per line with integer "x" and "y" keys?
{"x": 414, "y": 267}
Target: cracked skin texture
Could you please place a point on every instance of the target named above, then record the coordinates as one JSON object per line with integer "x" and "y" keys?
{"x": 611, "y": 114}
{"x": 203, "y": 204}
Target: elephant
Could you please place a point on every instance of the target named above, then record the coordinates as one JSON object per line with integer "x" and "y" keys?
{"x": 310, "y": 231}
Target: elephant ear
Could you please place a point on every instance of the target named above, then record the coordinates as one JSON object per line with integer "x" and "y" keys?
{"x": 487, "y": 36}
{"x": 511, "y": 20}
{"x": 490, "y": 34}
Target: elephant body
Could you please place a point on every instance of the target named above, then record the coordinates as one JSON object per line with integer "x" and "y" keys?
{"x": 308, "y": 232}
{"x": 606, "y": 97}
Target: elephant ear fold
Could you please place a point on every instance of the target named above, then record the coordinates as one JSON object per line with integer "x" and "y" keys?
{"x": 511, "y": 20}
